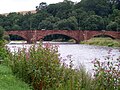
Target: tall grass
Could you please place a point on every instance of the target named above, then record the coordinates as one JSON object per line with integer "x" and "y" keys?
{"x": 10, "y": 82}
{"x": 103, "y": 42}
{"x": 41, "y": 67}
{"x": 107, "y": 74}
{"x": 7, "y": 80}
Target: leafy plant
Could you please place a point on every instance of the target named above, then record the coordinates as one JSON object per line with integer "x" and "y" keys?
{"x": 107, "y": 74}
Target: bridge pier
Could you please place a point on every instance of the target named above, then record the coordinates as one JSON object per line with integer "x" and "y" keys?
{"x": 31, "y": 41}
{"x": 77, "y": 41}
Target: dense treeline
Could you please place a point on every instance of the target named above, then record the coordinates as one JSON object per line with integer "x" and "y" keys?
{"x": 84, "y": 15}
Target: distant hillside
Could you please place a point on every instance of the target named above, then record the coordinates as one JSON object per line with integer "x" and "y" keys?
{"x": 21, "y": 12}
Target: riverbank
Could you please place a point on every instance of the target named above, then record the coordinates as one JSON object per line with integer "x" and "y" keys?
{"x": 9, "y": 82}
{"x": 32, "y": 67}
{"x": 102, "y": 42}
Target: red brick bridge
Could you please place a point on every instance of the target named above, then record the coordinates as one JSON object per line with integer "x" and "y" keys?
{"x": 78, "y": 35}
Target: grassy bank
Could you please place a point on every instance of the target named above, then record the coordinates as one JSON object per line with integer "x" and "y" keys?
{"x": 42, "y": 68}
{"x": 7, "y": 80}
{"x": 103, "y": 42}
{"x": 10, "y": 82}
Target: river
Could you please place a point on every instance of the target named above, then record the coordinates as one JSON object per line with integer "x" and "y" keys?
{"x": 80, "y": 54}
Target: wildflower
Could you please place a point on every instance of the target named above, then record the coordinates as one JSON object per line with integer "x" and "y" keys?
{"x": 109, "y": 51}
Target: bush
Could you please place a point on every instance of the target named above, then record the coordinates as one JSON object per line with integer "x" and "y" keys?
{"x": 3, "y": 53}
{"x": 107, "y": 74}
{"x": 102, "y": 42}
{"x": 1, "y": 32}
{"x": 10, "y": 82}
{"x": 40, "y": 66}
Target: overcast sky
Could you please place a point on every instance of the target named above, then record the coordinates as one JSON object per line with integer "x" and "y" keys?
{"x": 7, "y": 6}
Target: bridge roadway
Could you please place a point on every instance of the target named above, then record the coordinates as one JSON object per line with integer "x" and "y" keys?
{"x": 78, "y": 35}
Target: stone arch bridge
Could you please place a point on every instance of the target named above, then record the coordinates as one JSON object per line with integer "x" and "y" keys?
{"x": 78, "y": 35}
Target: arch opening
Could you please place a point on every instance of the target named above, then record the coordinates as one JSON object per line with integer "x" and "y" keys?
{"x": 103, "y": 36}
{"x": 59, "y": 38}
{"x": 16, "y": 38}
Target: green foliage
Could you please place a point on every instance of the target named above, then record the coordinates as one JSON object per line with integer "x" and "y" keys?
{"x": 86, "y": 14}
{"x": 42, "y": 68}
{"x": 1, "y": 32}
{"x": 16, "y": 27}
{"x": 6, "y": 37}
{"x": 3, "y": 53}
{"x": 112, "y": 26}
{"x": 10, "y": 82}
{"x": 67, "y": 24}
{"x": 102, "y": 42}
{"x": 107, "y": 74}
{"x": 94, "y": 22}
{"x": 47, "y": 25}
{"x": 100, "y": 7}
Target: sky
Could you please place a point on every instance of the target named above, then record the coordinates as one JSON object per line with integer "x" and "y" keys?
{"x": 7, "y": 6}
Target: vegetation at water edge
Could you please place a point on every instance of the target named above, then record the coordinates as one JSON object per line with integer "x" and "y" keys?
{"x": 42, "y": 68}
{"x": 9, "y": 82}
{"x": 102, "y": 42}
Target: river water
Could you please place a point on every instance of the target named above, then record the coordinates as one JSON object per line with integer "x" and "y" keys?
{"x": 80, "y": 54}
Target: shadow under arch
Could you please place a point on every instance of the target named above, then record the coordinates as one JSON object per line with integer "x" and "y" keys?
{"x": 16, "y": 37}
{"x": 103, "y": 36}
{"x": 59, "y": 38}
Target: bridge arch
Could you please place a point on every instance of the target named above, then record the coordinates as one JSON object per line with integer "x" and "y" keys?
{"x": 78, "y": 35}
{"x": 104, "y": 35}
{"x": 59, "y": 36}
{"x": 64, "y": 34}
{"x": 17, "y": 34}
{"x": 16, "y": 37}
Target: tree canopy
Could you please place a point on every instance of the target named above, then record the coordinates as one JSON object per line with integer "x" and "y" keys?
{"x": 1, "y": 32}
{"x": 83, "y": 15}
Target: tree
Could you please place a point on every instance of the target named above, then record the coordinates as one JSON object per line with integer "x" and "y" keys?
{"x": 67, "y": 24}
{"x": 47, "y": 25}
{"x": 53, "y": 9}
{"x": 42, "y": 6}
{"x": 100, "y": 7}
{"x": 114, "y": 21}
{"x": 94, "y": 22}
{"x": 112, "y": 26}
{"x": 16, "y": 27}
{"x": 81, "y": 16}
{"x": 1, "y": 32}
{"x": 2, "y": 19}
{"x": 37, "y": 18}
{"x": 114, "y": 4}
{"x": 61, "y": 10}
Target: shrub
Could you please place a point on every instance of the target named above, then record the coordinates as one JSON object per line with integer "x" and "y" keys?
{"x": 102, "y": 42}
{"x": 40, "y": 66}
{"x": 107, "y": 74}
{"x": 3, "y": 53}
{"x": 1, "y": 32}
